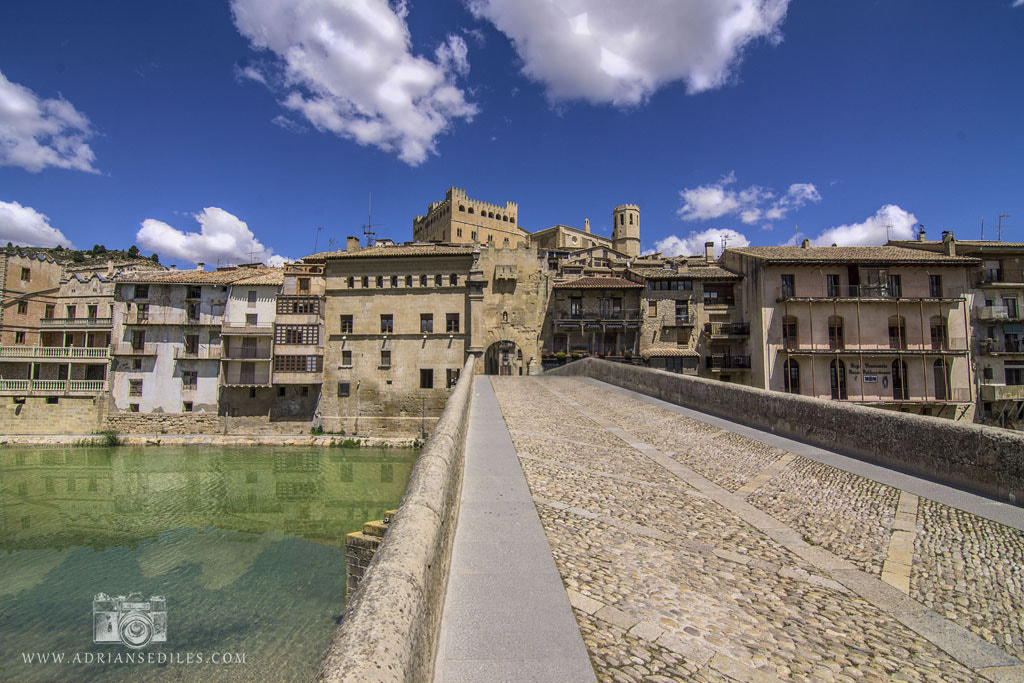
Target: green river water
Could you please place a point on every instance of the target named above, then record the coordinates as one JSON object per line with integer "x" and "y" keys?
{"x": 244, "y": 545}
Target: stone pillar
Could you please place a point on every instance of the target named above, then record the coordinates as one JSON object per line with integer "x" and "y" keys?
{"x": 360, "y": 547}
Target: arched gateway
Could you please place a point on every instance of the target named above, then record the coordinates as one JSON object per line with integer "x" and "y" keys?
{"x": 503, "y": 358}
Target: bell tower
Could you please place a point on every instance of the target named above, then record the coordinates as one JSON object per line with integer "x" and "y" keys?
{"x": 626, "y": 229}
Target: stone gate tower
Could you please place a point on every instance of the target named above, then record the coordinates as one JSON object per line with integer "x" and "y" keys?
{"x": 626, "y": 229}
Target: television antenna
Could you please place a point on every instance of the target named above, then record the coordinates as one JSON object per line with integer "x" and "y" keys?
{"x": 1000, "y": 226}
{"x": 317, "y": 240}
{"x": 368, "y": 227}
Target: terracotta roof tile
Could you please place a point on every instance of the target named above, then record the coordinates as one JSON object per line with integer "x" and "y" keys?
{"x": 669, "y": 352}
{"x": 397, "y": 251}
{"x": 871, "y": 254}
{"x": 196, "y": 277}
{"x": 598, "y": 283}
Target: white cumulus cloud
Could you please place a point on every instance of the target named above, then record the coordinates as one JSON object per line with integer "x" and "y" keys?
{"x": 751, "y": 205}
{"x": 24, "y": 226}
{"x": 889, "y": 222}
{"x": 222, "y": 238}
{"x": 348, "y": 68}
{"x": 693, "y": 244}
{"x": 622, "y": 52}
{"x": 36, "y": 132}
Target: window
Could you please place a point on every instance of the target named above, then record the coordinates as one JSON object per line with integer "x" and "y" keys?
{"x": 423, "y": 280}
{"x": 1013, "y": 376}
{"x": 385, "y": 358}
{"x": 789, "y": 332}
{"x": 837, "y": 374}
{"x": 506, "y": 242}
{"x": 19, "y": 337}
{"x": 303, "y": 285}
{"x": 133, "y": 407}
{"x": 788, "y": 287}
{"x": 1011, "y": 308}
{"x": 832, "y": 285}
{"x": 387, "y": 324}
{"x": 93, "y": 311}
{"x": 652, "y": 307}
{"x": 426, "y": 323}
{"x": 473, "y": 235}
{"x": 987, "y": 373}
{"x": 51, "y": 310}
{"x": 351, "y": 282}
{"x": 674, "y": 364}
{"x": 344, "y": 390}
{"x": 136, "y": 363}
{"x": 900, "y": 390}
{"x": 682, "y": 311}
{"x": 303, "y": 363}
{"x": 451, "y": 377}
{"x": 897, "y": 332}
{"x": 194, "y": 292}
{"x": 138, "y": 340}
{"x": 346, "y": 324}
{"x": 453, "y": 280}
{"x": 408, "y": 280}
{"x": 135, "y": 387}
{"x": 935, "y": 286}
{"x": 141, "y": 292}
{"x": 22, "y": 307}
{"x": 346, "y": 358}
{"x": 940, "y": 371}
{"x": 70, "y": 312}
{"x": 426, "y": 378}
{"x": 26, "y": 275}
{"x": 438, "y": 280}
{"x": 458, "y": 232}
{"x": 142, "y": 312}
{"x": 835, "y": 333}
{"x": 895, "y": 286}
{"x": 938, "y": 333}
{"x": 394, "y": 280}
{"x": 191, "y": 343}
{"x": 297, "y": 334}
{"x": 791, "y": 375}
{"x": 451, "y": 323}
{"x": 682, "y": 337}
{"x": 280, "y": 391}
{"x": 576, "y": 307}
{"x": 251, "y": 319}
{"x": 186, "y": 406}
{"x": 380, "y": 282}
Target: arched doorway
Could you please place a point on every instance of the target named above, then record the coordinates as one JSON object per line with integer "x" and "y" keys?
{"x": 503, "y": 358}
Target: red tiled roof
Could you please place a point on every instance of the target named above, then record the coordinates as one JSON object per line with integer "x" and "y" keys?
{"x": 598, "y": 283}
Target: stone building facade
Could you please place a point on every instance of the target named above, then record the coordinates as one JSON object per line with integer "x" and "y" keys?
{"x": 561, "y": 237}
{"x": 882, "y": 326}
{"x": 30, "y": 281}
{"x": 298, "y": 347}
{"x": 247, "y": 345}
{"x": 457, "y": 219}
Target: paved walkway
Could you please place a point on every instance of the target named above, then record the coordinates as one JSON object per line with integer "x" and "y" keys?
{"x": 691, "y": 551}
{"x": 506, "y": 614}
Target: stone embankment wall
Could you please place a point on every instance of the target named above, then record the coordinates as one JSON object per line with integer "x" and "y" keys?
{"x": 390, "y": 628}
{"x": 71, "y": 415}
{"x": 987, "y": 460}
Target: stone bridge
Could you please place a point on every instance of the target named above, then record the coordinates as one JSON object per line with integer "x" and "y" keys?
{"x": 606, "y": 534}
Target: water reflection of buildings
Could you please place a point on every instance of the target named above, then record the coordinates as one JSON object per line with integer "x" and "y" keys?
{"x": 100, "y": 498}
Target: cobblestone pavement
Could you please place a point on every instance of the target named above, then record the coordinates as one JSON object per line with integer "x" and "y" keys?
{"x": 688, "y": 552}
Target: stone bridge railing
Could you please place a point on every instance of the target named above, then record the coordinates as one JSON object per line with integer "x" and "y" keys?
{"x": 987, "y": 460}
{"x": 390, "y": 628}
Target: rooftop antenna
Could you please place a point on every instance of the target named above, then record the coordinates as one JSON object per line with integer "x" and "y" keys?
{"x": 982, "y": 228}
{"x": 317, "y": 240}
{"x": 725, "y": 241}
{"x": 888, "y": 230}
{"x": 999, "y": 228}
{"x": 368, "y": 232}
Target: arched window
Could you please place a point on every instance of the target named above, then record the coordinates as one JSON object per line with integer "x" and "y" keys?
{"x": 423, "y": 280}
{"x": 837, "y": 373}
{"x": 366, "y": 281}
{"x": 939, "y": 333}
{"x": 505, "y": 218}
{"x": 789, "y": 332}
{"x": 512, "y": 219}
{"x": 351, "y": 282}
{"x": 941, "y": 371}
{"x": 897, "y": 332}
{"x": 504, "y": 316}
{"x": 462, "y": 208}
{"x": 792, "y": 376}
{"x": 438, "y": 280}
{"x": 380, "y": 281}
{"x": 506, "y": 242}
{"x": 631, "y": 219}
{"x": 490, "y": 214}
{"x": 408, "y": 280}
{"x": 622, "y": 219}
{"x": 835, "y": 332}
{"x": 900, "y": 390}
{"x": 453, "y": 280}
{"x": 471, "y": 209}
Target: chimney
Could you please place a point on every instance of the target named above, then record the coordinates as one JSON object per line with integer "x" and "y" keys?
{"x": 351, "y": 243}
{"x": 172, "y": 267}
{"x": 948, "y": 243}
{"x": 199, "y": 266}
{"x": 110, "y": 267}
{"x": 709, "y": 251}
{"x": 586, "y": 225}
{"x": 805, "y": 244}
{"x": 920, "y": 235}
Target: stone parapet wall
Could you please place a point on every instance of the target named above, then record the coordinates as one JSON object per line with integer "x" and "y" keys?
{"x": 987, "y": 460}
{"x": 390, "y": 628}
{"x": 165, "y": 423}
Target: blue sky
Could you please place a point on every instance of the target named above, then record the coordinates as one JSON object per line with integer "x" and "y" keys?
{"x": 255, "y": 121}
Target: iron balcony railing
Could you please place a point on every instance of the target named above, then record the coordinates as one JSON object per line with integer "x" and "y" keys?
{"x": 76, "y": 322}
{"x": 877, "y": 291}
{"x": 236, "y": 353}
{"x": 53, "y": 386}
{"x": 1002, "y": 346}
{"x": 893, "y": 344}
{"x": 728, "y": 329}
{"x": 720, "y": 362}
{"x": 55, "y": 352}
{"x": 719, "y": 300}
{"x": 607, "y": 314}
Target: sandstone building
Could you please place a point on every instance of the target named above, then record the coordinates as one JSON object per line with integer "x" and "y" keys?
{"x": 457, "y": 219}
